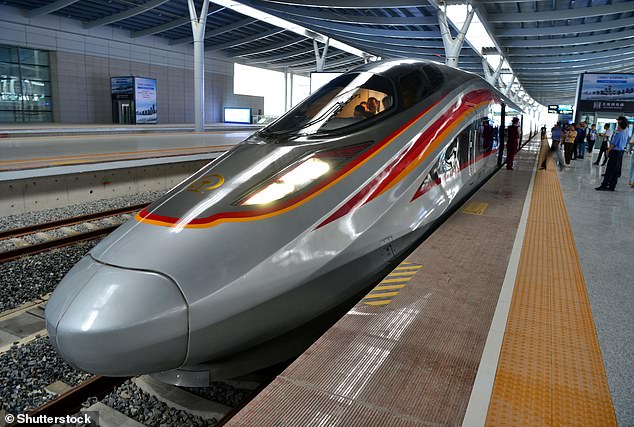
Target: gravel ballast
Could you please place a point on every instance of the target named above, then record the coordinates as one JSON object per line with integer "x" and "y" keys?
{"x": 31, "y": 218}
{"x": 25, "y": 371}
{"x": 29, "y": 278}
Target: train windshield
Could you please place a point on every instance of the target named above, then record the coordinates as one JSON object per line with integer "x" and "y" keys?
{"x": 347, "y": 100}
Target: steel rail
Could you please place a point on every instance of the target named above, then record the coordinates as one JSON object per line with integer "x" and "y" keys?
{"x": 51, "y": 244}
{"x": 71, "y": 402}
{"x": 16, "y": 232}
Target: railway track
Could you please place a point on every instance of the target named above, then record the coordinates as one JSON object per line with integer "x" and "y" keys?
{"x": 91, "y": 398}
{"x": 38, "y": 238}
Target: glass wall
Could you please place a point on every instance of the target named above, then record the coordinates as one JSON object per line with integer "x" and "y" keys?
{"x": 25, "y": 86}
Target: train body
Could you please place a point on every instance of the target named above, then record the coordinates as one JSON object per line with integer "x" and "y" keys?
{"x": 303, "y": 215}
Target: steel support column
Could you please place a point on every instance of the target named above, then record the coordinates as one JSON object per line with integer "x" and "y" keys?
{"x": 321, "y": 59}
{"x": 453, "y": 46}
{"x": 198, "y": 31}
{"x": 491, "y": 77}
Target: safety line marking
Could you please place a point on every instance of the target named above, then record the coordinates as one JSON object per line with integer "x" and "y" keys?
{"x": 395, "y": 281}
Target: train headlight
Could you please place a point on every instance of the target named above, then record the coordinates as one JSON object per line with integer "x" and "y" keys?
{"x": 292, "y": 181}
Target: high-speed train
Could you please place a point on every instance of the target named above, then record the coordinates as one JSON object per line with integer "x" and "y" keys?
{"x": 218, "y": 276}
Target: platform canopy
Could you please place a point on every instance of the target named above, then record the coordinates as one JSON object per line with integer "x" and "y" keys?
{"x": 546, "y": 44}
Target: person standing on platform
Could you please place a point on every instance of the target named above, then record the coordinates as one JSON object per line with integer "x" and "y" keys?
{"x": 591, "y": 138}
{"x": 513, "y": 142}
{"x": 605, "y": 140}
{"x": 555, "y": 148}
{"x": 615, "y": 156}
{"x": 569, "y": 139}
{"x": 580, "y": 142}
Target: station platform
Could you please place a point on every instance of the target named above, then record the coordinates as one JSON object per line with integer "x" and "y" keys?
{"x": 33, "y": 151}
{"x": 515, "y": 312}
{"x": 16, "y": 130}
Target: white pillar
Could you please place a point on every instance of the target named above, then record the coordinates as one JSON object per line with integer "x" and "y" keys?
{"x": 320, "y": 59}
{"x": 491, "y": 77}
{"x": 198, "y": 31}
{"x": 453, "y": 46}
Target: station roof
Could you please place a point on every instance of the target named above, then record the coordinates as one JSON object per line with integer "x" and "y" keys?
{"x": 547, "y": 44}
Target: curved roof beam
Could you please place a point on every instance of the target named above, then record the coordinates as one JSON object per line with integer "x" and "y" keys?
{"x": 216, "y": 32}
{"x": 172, "y": 24}
{"x": 570, "y": 50}
{"x": 560, "y": 14}
{"x": 539, "y": 43}
{"x": 50, "y": 8}
{"x": 125, "y": 14}
{"x": 358, "y": 29}
{"x": 379, "y": 47}
{"x": 545, "y": 74}
{"x": 330, "y": 65}
{"x": 563, "y": 29}
{"x": 245, "y": 40}
{"x": 569, "y": 59}
{"x": 583, "y": 63}
{"x": 337, "y": 17}
{"x": 244, "y": 8}
{"x": 389, "y": 41}
{"x": 161, "y": 28}
{"x": 309, "y": 61}
{"x": 280, "y": 57}
{"x": 272, "y": 47}
{"x": 353, "y": 4}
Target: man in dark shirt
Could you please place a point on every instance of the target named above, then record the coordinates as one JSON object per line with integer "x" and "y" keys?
{"x": 513, "y": 142}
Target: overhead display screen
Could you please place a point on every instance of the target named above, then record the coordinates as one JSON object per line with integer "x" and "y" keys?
{"x": 122, "y": 85}
{"x": 552, "y": 109}
{"x": 607, "y": 92}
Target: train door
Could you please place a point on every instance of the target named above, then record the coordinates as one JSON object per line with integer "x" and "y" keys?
{"x": 473, "y": 148}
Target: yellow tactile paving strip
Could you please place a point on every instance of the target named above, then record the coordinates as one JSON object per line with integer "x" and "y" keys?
{"x": 550, "y": 370}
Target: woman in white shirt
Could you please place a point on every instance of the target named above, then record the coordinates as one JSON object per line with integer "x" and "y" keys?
{"x": 607, "y": 135}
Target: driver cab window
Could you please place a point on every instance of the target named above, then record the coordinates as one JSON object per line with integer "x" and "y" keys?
{"x": 347, "y": 100}
{"x": 369, "y": 100}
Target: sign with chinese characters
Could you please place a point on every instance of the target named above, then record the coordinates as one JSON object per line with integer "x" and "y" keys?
{"x": 606, "y": 92}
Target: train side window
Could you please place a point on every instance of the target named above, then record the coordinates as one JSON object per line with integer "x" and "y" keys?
{"x": 464, "y": 144}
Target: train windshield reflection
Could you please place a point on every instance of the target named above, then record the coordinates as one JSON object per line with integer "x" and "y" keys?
{"x": 345, "y": 101}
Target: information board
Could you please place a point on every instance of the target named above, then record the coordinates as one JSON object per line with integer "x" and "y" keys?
{"x": 145, "y": 100}
{"x": 606, "y": 92}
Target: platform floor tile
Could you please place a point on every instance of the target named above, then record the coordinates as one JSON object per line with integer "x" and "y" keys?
{"x": 550, "y": 370}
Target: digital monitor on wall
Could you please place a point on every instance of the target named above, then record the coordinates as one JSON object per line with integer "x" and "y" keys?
{"x": 145, "y": 100}
{"x": 237, "y": 115}
{"x": 606, "y": 92}
{"x": 122, "y": 85}
{"x": 317, "y": 80}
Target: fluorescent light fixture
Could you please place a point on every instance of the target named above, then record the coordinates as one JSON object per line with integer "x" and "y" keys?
{"x": 282, "y": 23}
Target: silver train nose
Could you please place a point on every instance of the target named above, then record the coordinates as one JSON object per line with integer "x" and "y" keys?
{"x": 100, "y": 314}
